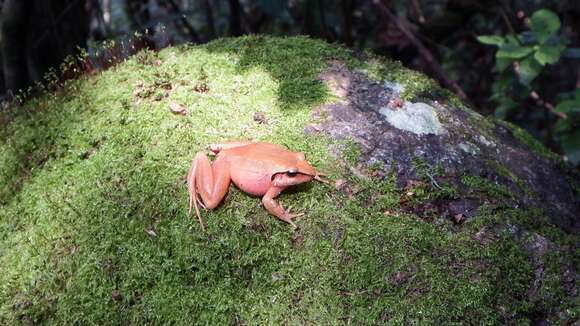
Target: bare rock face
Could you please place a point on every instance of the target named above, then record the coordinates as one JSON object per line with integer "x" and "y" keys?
{"x": 457, "y": 142}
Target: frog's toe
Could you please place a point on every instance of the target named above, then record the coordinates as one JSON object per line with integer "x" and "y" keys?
{"x": 200, "y": 202}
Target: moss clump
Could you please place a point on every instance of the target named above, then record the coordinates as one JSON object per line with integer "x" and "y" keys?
{"x": 509, "y": 175}
{"x": 146, "y": 57}
{"x": 93, "y": 223}
{"x": 430, "y": 188}
{"x": 437, "y": 270}
{"x": 552, "y": 291}
{"x": 487, "y": 187}
{"x": 415, "y": 84}
{"x": 549, "y": 295}
{"x": 350, "y": 151}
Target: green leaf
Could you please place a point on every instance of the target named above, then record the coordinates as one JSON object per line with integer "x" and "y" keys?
{"x": 568, "y": 106}
{"x": 502, "y": 64}
{"x": 529, "y": 70}
{"x": 513, "y": 51}
{"x": 503, "y": 84}
{"x": 563, "y": 126}
{"x": 549, "y": 54}
{"x": 571, "y": 145}
{"x": 491, "y": 39}
{"x": 512, "y": 39}
{"x": 544, "y": 23}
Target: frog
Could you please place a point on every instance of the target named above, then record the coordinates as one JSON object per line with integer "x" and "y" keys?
{"x": 257, "y": 168}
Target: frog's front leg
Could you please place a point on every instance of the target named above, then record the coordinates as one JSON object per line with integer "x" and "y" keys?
{"x": 210, "y": 181}
{"x": 274, "y": 208}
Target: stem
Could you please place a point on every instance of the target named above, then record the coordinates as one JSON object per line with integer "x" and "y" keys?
{"x": 423, "y": 51}
{"x": 546, "y": 105}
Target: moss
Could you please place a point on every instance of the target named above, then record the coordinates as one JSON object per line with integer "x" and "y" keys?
{"x": 550, "y": 298}
{"x": 94, "y": 229}
{"x": 528, "y": 140}
{"x": 415, "y": 84}
{"x": 398, "y": 289}
{"x": 573, "y": 181}
{"x": 483, "y": 125}
{"x": 146, "y": 57}
{"x": 350, "y": 151}
{"x": 552, "y": 292}
{"x": 486, "y": 187}
{"x": 509, "y": 175}
{"x": 430, "y": 189}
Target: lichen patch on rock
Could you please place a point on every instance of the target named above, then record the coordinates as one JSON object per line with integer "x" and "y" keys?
{"x": 469, "y": 148}
{"x": 395, "y": 87}
{"x": 418, "y": 118}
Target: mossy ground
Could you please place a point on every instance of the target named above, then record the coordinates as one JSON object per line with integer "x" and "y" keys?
{"x": 93, "y": 223}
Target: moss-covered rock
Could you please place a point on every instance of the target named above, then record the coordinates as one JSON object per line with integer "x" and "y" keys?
{"x": 452, "y": 142}
{"x": 93, "y": 223}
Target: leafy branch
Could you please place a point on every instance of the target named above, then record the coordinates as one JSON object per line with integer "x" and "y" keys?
{"x": 520, "y": 59}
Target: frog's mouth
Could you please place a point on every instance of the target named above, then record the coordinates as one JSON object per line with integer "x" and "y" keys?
{"x": 294, "y": 173}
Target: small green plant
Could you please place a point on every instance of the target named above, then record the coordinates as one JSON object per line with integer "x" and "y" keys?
{"x": 568, "y": 129}
{"x": 519, "y": 60}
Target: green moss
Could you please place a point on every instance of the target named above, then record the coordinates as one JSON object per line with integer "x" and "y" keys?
{"x": 398, "y": 289}
{"x": 416, "y": 85}
{"x": 549, "y": 294}
{"x": 146, "y": 57}
{"x": 431, "y": 188}
{"x": 94, "y": 229}
{"x": 552, "y": 292}
{"x": 574, "y": 182}
{"x": 527, "y": 139}
{"x": 350, "y": 151}
{"x": 508, "y": 174}
{"x": 486, "y": 187}
{"x": 484, "y": 126}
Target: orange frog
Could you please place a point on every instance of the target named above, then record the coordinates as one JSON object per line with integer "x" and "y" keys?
{"x": 259, "y": 169}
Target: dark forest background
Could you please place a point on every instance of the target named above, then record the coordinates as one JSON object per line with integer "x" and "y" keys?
{"x": 516, "y": 59}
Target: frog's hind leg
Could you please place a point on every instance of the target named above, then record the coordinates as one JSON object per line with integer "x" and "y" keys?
{"x": 209, "y": 181}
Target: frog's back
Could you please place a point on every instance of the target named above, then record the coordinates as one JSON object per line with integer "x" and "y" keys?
{"x": 252, "y": 166}
{"x": 266, "y": 152}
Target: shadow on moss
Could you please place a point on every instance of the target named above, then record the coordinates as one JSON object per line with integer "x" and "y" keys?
{"x": 294, "y": 62}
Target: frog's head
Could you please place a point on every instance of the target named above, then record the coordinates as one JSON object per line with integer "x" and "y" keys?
{"x": 300, "y": 171}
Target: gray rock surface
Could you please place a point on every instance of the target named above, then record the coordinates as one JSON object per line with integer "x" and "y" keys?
{"x": 457, "y": 141}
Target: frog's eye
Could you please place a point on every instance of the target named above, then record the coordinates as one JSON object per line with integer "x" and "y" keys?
{"x": 291, "y": 173}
